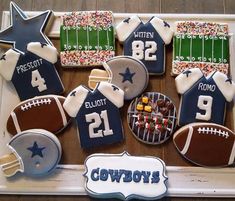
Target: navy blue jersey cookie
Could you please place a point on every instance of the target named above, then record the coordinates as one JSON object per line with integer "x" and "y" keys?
{"x": 145, "y": 41}
{"x": 203, "y": 99}
{"x": 97, "y": 114}
{"x": 33, "y": 72}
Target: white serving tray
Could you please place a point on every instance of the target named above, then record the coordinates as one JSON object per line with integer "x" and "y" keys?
{"x": 68, "y": 179}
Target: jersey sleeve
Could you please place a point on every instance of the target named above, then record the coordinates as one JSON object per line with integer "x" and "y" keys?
{"x": 163, "y": 29}
{"x": 44, "y": 51}
{"x": 187, "y": 79}
{"x": 75, "y": 100}
{"x": 112, "y": 93}
{"x": 8, "y": 63}
{"x": 126, "y": 27}
{"x": 225, "y": 85}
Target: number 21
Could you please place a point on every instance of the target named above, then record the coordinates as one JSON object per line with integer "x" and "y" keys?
{"x": 95, "y": 118}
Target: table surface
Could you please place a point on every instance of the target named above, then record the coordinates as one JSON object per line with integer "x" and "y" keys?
{"x": 73, "y": 77}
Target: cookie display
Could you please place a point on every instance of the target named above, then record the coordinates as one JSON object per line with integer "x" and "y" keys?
{"x": 126, "y": 72}
{"x": 24, "y": 29}
{"x": 152, "y": 117}
{"x": 145, "y": 41}
{"x": 203, "y": 45}
{"x": 86, "y": 38}
{"x": 206, "y": 144}
{"x": 32, "y": 73}
{"x": 125, "y": 177}
{"x": 205, "y": 96}
{"x": 35, "y": 153}
{"x": 97, "y": 114}
{"x": 42, "y": 112}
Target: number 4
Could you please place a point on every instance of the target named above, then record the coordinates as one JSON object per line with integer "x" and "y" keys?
{"x": 38, "y": 81}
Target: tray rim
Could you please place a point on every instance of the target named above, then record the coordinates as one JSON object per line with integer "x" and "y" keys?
{"x": 201, "y": 182}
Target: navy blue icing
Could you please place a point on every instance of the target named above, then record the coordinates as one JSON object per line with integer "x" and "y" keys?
{"x": 154, "y": 67}
{"x": 113, "y": 115}
{"x": 36, "y": 150}
{"x": 136, "y": 176}
{"x": 127, "y": 75}
{"x": 189, "y": 103}
{"x": 22, "y": 79}
{"x": 23, "y": 29}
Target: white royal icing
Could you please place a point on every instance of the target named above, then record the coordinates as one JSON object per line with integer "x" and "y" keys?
{"x": 8, "y": 63}
{"x": 226, "y": 87}
{"x": 45, "y": 51}
{"x": 125, "y": 177}
{"x": 185, "y": 81}
{"x": 124, "y": 29}
{"x": 164, "y": 31}
{"x": 74, "y": 100}
{"x": 15, "y": 121}
{"x": 115, "y": 96}
{"x": 63, "y": 116}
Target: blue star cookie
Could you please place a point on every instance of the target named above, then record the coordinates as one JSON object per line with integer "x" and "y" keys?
{"x": 24, "y": 29}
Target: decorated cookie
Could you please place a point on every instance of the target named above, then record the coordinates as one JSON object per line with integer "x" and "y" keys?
{"x": 206, "y": 144}
{"x": 125, "y": 177}
{"x": 152, "y": 117}
{"x": 32, "y": 73}
{"x": 97, "y": 114}
{"x": 126, "y": 72}
{"x": 44, "y": 112}
{"x": 145, "y": 42}
{"x": 35, "y": 152}
{"x": 24, "y": 29}
{"x": 86, "y": 38}
{"x": 203, "y": 45}
{"x": 203, "y": 98}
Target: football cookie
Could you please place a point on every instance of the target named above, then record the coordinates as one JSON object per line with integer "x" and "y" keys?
{"x": 206, "y": 144}
{"x": 44, "y": 112}
{"x": 24, "y": 29}
{"x": 205, "y": 96}
{"x": 145, "y": 41}
{"x": 86, "y": 38}
{"x": 203, "y": 45}
{"x": 97, "y": 114}
{"x": 126, "y": 72}
{"x": 35, "y": 153}
{"x": 32, "y": 73}
{"x": 152, "y": 118}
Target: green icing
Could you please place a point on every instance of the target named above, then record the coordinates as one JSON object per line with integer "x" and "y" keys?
{"x": 86, "y": 38}
{"x": 201, "y": 48}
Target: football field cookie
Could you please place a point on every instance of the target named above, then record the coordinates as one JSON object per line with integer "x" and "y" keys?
{"x": 42, "y": 112}
{"x": 145, "y": 41}
{"x": 86, "y": 38}
{"x": 203, "y": 99}
{"x": 35, "y": 153}
{"x": 126, "y": 72}
{"x": 152, "y": 117}
{"x": 32, "y": 73}
{"x": 97, "y": 114}
{"x": 203, "y": 45}
{"x": 206, "y": 144}
{"x": 24, "y": 29}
